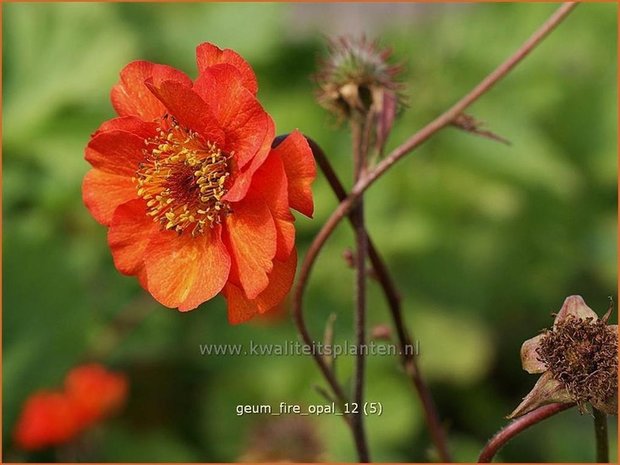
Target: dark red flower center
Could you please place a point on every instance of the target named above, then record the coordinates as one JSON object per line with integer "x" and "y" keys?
{"x": 183, "y": 179}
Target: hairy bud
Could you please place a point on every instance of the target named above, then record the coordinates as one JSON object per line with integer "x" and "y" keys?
{"x": 356, "y": 80}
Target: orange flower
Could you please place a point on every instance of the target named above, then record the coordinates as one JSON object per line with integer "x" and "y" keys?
{"x": 95, "y": 392}
{"x": 52, "y": 417}
{"x": 195, "y": 199}
{"x": 48, "y": 418}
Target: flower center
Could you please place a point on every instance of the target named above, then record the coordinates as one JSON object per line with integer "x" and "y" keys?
{"x": 183, "y": 179}
{"x": 582, "y": 355}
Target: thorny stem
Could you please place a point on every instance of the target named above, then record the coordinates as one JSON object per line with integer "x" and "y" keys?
{"x": 602, "y": 439}
{"x": 515, "y": 427}
{"x": 359, "y": 132}
{"x": 394, "y": 304}
{"x": 414, "y": 141}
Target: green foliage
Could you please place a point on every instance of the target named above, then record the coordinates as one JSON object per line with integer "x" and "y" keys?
{"x": 484, "y": 240}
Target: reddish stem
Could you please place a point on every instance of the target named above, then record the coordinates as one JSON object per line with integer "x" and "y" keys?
{"x": 520, "y": 424}
{"x": 394, "y": 304}
{"x": 359, "y": 132}
{"x": 416, "y": 140}
{"x": 345, "y": 207}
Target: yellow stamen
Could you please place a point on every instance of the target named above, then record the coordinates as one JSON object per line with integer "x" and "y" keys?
{"x": 183, "y": 180}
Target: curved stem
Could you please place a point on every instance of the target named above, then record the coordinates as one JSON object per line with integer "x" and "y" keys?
{"x": 393, "y": 299}
{"x": 416, "y": 140}
{"x": 602, "y": 439}
{"x": 515, "y": 427}
{"x": 344, "y": 208}
{"x": 298, "y": 318}
{"x": 327, "y": 372}
{"x": 448, "y": 116}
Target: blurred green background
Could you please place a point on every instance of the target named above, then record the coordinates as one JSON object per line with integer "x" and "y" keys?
{"x": 485, "y": 240}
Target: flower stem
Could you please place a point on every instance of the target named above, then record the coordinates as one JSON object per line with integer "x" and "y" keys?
{"x": 392, "y": 296}
{"x": 515, "y": 427}
{"x": 345, "y": 207}
{"x": 415, "y": 141}
{"x": 298, "y": 317}
{"x": 602, "y": 439}
{"x": 359, "y": 159}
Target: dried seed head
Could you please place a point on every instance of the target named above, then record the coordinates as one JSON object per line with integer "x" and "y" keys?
{"x": 577, "y": 360}
{"x": 582, "y": 355}
{"x": 356, "y": 78}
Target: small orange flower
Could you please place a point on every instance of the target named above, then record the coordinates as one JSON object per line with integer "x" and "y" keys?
{"x": 95, "y": 392}
{"x": 48, "y": 418}
{"x": 195, "y": 199}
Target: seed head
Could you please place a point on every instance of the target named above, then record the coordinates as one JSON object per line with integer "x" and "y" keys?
{"x": 582, "y": 355}
{"x": 356, "y": 79}
{"x": 577, "y": 359}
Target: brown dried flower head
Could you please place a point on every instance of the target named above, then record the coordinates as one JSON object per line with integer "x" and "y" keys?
{"x": 356, "y": 79}
{"x": 578, "y": 360}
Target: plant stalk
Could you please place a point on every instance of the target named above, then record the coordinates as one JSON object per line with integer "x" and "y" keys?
{"x": 359, "y": 130}
{"x": 517, "y": 426}
{"x": 393, "y": 299}
{"x": 601, "y": 435}
{"x": 346, "y": 206}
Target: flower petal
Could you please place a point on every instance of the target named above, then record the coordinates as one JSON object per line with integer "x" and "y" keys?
{"x": 130, "y": 97}
{"x": 116, "y": 152}
{"x": 184, "y": 271}
{"x": 95, "y": 392}
{"x": 142, "y": 278}
{"x": 300, "y": 170}
{"x": 208, "y": 55}
{"x": 103, "y": 192}
{"x": 280, "y": 282}
{"x": 241, "y": 309}
{"x": 188, "y": 108}
{"x": 129, "y": 235}
{"x": 237, "y": 110}
{"x": 252, "y": 239}
{"x": 243, "y": 178}
{"x": 546, "y": 391}
{"x": 574, "y": 305}
{"x": 286, "y": 238}
{"x": 529, "y": 356}
{"x": 142, "y": 129}
{"x": 270, "y": 182}
{"x": 47, "y": 418}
